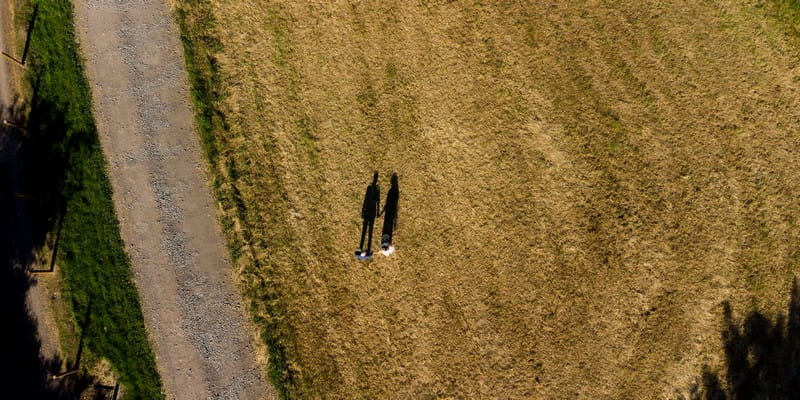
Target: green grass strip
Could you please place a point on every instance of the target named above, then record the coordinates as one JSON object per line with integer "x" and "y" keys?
{"x": 200, "y": 43}
{"x": 789, "y": 11}
{"x": 71, "y": 179}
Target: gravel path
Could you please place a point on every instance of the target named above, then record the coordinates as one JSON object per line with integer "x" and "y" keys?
{"x": 192, "y": 308}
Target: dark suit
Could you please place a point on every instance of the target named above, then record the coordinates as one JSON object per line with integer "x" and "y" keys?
{"x": 390, "y": 215}
{"x": 369, "y": 211}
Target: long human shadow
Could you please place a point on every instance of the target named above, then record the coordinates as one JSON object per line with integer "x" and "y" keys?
{"x": 762, "y": 357}
{"x": 390, "y": 210}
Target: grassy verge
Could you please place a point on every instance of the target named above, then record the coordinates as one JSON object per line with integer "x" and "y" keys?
{"x": 197, "y": 27}
{"x": 791, "y": 11}
{"x": 788, "y": 13}
{"x": 68, "y": 175}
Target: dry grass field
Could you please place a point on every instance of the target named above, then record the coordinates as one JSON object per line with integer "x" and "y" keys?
{"x": 582, "y": 185}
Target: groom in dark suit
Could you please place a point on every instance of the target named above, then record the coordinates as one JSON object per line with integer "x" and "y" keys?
{"x": 369, "y": 211}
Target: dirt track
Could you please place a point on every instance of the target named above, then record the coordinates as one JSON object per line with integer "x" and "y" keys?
{"x": 191, "y": 306}
{"x": 32, "y": 339}
{"x": 37, "y": 294}
{"x": 5, "y": 98}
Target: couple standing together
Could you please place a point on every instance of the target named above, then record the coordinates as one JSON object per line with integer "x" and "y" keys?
{"x": 371, "y": 210}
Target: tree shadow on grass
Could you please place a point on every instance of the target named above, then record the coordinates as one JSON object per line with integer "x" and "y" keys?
{"x": 34, "y": 159}
{"x": 24, "y": 372}
{"x": 762, "y": 357}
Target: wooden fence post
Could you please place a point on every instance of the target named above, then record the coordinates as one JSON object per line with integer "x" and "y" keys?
{"x": 12, "y": 59}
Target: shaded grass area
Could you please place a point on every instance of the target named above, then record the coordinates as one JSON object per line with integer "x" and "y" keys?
{"x": 200, "y": 44}
{"x": 762, "y": 356}
{"x": 67, "y": 175}
{"x": 24, "y": 372}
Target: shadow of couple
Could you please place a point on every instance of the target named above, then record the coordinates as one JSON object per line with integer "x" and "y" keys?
{"x": 371, "y": 209}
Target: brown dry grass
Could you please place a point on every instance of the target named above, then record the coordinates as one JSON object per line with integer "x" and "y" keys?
{"x": 582, "y": 184}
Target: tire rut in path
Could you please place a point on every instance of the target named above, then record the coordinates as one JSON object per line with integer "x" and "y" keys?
{"x": 191, "y": 306}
